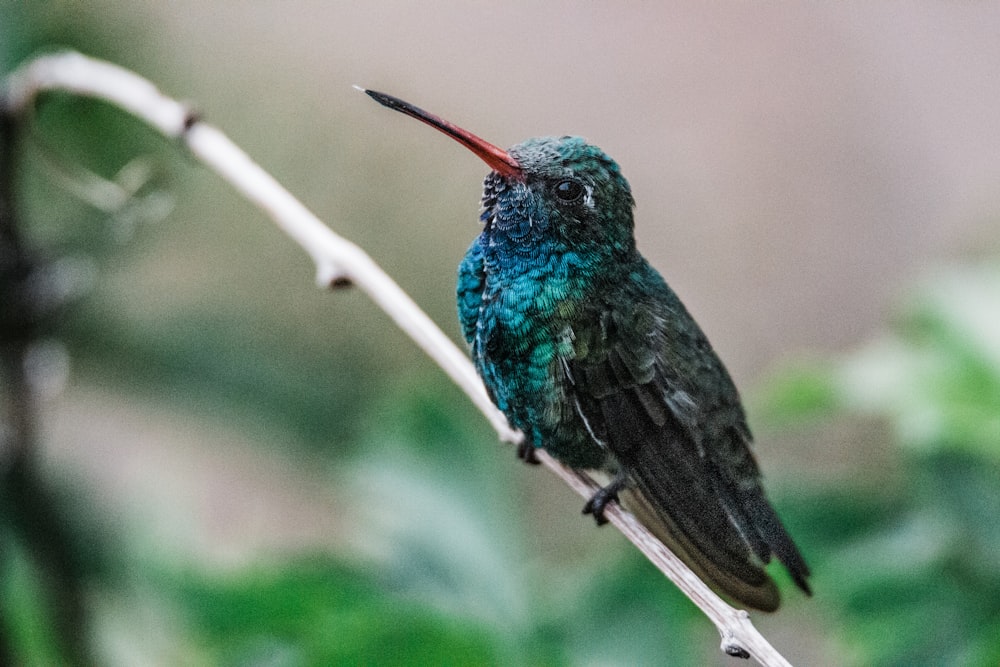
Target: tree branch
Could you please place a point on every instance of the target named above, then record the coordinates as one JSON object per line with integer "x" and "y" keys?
{"x": 338, "y": 260}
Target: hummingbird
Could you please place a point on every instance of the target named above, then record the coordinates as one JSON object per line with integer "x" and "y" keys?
{"x": 585, "y": 348}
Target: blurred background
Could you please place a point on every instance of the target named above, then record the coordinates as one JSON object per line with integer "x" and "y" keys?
{"x": 225, "y": 465}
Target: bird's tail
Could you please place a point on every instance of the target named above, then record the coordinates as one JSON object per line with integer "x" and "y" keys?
{"x": 743, "y": 580}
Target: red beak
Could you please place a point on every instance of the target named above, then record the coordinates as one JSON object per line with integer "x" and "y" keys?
{"x": 498, "y": 159}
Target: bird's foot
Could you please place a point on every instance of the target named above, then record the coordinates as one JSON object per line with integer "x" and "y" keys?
{"x": 599, "y": 501}
{"x": 526, "y": 452}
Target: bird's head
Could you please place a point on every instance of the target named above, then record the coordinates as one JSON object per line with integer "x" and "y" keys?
{"x": 559, "y": 190}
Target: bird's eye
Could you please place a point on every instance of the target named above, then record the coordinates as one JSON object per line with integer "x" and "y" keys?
{"x": 569, "y": 190}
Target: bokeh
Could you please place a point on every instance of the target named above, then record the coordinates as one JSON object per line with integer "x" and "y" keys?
{"x": 230, "y": 466}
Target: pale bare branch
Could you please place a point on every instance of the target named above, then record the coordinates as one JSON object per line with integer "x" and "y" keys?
{"x": 337, "y": 260}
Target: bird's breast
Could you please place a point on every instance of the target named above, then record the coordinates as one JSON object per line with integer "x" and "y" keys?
{"x": 532, "y": 304}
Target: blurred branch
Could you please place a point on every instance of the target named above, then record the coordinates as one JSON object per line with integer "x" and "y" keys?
{"x": 340, "y": 262}
{"x": 27, "y": 504}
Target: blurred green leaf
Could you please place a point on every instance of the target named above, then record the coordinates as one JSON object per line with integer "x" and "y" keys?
{"x": 320, "y": 612}
{"x": 938, "y": 377}
{"x": 800, "y": 392}
{"x": 916, "y": 569}
{"x": 24, "y": 617}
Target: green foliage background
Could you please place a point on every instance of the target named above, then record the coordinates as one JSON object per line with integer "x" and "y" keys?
{"x": 432, "y": 549}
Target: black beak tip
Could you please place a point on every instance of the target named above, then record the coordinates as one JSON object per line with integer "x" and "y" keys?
{"x": 382, "y": 98}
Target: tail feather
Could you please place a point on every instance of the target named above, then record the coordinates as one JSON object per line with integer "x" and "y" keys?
{"x": 748, "y": 585}
{"x": 769, "y": 526}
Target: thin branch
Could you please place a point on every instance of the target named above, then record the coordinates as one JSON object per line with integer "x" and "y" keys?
{"x": 338, "y": 260}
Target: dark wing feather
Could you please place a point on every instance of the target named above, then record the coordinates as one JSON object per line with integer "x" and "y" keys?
{"x": 666, "y": 409}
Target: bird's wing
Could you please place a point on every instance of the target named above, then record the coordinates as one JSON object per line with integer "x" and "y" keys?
{"x": 675, "y": 426}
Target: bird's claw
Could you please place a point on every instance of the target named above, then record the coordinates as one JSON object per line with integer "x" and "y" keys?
{"x": 526, "y": 452}
{"x": 599, "y": 501}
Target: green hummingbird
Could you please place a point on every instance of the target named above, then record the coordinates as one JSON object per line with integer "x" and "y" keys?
{"x": 586, "y": 350}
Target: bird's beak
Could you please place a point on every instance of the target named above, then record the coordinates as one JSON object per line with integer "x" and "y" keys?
{"x": 498, "y": 159}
